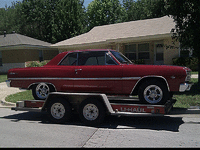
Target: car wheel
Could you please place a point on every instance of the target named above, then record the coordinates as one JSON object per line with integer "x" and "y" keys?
{"x": 153, "y": 92}
{"x": 41, "y": 91}
{"x": 59, "y": 110}
{"x": 92, "y": 112}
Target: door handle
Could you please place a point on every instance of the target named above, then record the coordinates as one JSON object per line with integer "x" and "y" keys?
{"x": 76, "y": 70}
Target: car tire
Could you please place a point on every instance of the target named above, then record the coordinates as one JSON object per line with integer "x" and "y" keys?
{"x": 41, "y": 91}
{"x": 153, "y": 92}
{"x": 92, "y": 112}
{"x": 59, "y": 110}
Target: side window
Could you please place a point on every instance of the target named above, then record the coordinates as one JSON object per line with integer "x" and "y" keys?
{"x": 95, "y": 58}
{"x": 109, "y": 60}
{"x": 91, "y": 58}
{"x": 91, "y": 61}
{"x": 70, "y": 60}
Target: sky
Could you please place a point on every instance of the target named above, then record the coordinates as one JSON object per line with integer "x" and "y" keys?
{"x": 9, "y": 2}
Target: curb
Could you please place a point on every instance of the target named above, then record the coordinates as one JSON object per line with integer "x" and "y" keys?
{"x": 186, "y": 111}
{"x": 4, "y": 104}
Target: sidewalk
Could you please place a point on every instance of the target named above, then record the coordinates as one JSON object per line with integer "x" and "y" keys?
{"x": 4, "y": 92}
{"x": 194, "y": 76}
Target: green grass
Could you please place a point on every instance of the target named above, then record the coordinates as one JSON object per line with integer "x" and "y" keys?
{"x": 184, "y": 100}
{"x": 3, "y": 78}
{"x": 189, "y": 98}
{"x": 25, "y": 95}
{"x": 194, "y": 72}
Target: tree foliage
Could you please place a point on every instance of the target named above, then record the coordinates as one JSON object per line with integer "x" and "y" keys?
{"x": 144, "y": 9}
{"x": 186, "y": 15}
{"x": 51, "y": 20}
{"x": 103, "y": 12}
{"x": 8, "y": 19}
{"x": 47, "y": 20}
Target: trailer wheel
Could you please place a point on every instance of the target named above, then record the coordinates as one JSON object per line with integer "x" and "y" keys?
{"x": 59, "y": 110}
{"x": 92, "y": 112}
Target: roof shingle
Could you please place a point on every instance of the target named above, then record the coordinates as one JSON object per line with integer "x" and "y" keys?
{"x": 18, "y": 39}
{"x": 140, "y": 28}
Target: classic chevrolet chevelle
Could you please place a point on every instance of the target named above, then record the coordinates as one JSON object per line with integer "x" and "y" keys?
{"x": 102, "y": 71}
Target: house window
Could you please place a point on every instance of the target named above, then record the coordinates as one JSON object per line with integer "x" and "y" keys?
{"x": 130, "y": 51}
{"x": 1, "y": 64}
{"x": 41, "y": 57}
{"x": 143, "y": 51}
{"x": 137, "y": 51}
{"x": 159, "y": 52}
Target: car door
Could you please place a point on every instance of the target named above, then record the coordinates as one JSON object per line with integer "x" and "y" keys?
{"x": 98, "y": 72}
{"x": 66, "y": 72}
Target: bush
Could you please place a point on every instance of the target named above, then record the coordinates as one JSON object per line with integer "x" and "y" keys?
{"x": 36, "y": 63}
{"x": 191, "y": 62}
{"x": 139, "y": 61}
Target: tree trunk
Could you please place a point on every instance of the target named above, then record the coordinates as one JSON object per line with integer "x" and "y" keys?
{"x": 199, "y": 71}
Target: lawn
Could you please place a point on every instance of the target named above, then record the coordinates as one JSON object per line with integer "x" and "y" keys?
{"x": 25, "y": 95}
{"x": 184, "y": 100}
{"x": 3, "y": 78}
{"x": 189, "y": 98}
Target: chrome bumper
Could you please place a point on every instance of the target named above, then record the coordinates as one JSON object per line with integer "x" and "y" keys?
{"x": 185, "y": 87}
{"x": 8, "y": 82}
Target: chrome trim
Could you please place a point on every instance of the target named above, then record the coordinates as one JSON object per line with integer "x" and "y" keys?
{"x": 13, "y": 73}
{"x": 188, "y": 76}
{"x": 120, "y": 78}
{"x": 150, "y": 77}
{"x": 185, "y": 87}
{"x": 112, "y": 57}
{"x": 8, "y": 83}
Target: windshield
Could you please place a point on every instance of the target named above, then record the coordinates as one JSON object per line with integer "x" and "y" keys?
{"x": 121, "y": 58}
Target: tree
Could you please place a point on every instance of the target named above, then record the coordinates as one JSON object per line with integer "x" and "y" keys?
{"x": 144, "y": 9}
{"x": 186, "y": 16}
{"x": 51, "y": 20}
{"x": 103, "y": 12}
{"x": 8, "y": 19}
{"x": 70, "y": 19}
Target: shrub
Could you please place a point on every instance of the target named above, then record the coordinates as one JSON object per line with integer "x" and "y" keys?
{"x": 191, "y": 62}
{"x": 139, "y": 61}
{"x": 36, "y": 63}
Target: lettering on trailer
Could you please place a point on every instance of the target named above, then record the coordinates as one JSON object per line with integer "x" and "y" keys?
{"x": 136, "y": 110}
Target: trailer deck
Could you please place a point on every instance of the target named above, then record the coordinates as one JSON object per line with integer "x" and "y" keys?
{"x": 117, "y": 106}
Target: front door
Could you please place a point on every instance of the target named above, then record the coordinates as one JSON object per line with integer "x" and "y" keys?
{"x": 159, "y": 53}
{"x": 97, "y": 72}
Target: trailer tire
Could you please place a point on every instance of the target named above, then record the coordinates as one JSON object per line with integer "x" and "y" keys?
{"x": 92, "y": 112}
{"x": 59, "y": 110}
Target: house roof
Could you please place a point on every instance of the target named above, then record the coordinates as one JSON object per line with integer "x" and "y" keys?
{"x": 114, "y": 32}
{"x": 15, "y": 39}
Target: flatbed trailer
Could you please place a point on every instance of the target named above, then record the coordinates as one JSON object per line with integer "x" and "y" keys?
{"x": 91, "y": 107}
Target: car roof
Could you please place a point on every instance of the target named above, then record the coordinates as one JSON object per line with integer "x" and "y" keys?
{"x": 58, "y": 58}
{"x": 86, "y": 50}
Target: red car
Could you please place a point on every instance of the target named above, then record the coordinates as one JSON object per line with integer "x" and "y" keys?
{"x": 102, "y": 71}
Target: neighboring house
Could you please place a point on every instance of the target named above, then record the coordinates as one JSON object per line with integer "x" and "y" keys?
{"x": 16, "y": 49}
{"x": 148, "y": 39}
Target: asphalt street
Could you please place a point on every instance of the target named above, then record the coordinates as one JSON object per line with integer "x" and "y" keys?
{"x": 33, "y": 129}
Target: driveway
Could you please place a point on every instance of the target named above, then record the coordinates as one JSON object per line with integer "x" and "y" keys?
{"x": 4, "y": 92}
